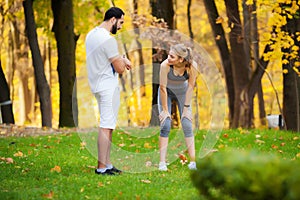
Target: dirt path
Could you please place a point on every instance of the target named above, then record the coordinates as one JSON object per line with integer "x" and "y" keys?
{"x": 25, "y": 131}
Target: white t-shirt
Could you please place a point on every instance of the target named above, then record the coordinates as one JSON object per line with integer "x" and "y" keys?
{"x": 100, "y": 47}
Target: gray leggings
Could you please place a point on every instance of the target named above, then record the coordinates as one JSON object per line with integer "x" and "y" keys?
{"x": 185, "y": 123}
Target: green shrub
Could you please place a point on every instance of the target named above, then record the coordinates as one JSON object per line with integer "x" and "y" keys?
{"x": 247, "y": 175}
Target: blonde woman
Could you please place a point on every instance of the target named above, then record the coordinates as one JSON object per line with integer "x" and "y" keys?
{"x": 177, "y": 79}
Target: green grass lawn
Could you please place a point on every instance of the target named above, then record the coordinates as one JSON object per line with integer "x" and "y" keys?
{"x": 62, "y": 166}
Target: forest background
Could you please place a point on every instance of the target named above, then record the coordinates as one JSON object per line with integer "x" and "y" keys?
{"x": 253, "y": 44}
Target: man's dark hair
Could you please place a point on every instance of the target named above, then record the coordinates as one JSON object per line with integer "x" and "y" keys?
{"x": 113, "y": 12}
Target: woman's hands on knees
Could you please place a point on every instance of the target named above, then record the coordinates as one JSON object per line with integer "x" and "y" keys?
{"x": 187, "y": 113}
{"x": 163, "y": 115}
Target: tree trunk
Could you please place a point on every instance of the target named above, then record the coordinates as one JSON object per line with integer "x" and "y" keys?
{"x": 63, "y": 28}
{"x": 139, "y": 59}
{"x": 255, "y": 47}
{"x": 255, "y": 80}
{"x": 10, "y": 60}
{"x": 220, "y": 39}
{"x": 196, "y": 116}
{"x": 189, "y": 19}
{"x": 247, "y": 35}
{"x": 42, "y": 85}
{"x": 247, "y": 30}
{"x": 291, "y": 83}
{"x": 252, "y": 50}
{"x": 240, "y": 70}
{"x": 291, "y": 91}
{"x": 22, "y": 68}
{"x": 7, "y": 115}
{"x": 160, "y": 9}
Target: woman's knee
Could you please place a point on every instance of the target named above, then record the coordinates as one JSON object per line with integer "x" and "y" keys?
{"x": 187, "y": 127}
{"x": 165, "y": 128}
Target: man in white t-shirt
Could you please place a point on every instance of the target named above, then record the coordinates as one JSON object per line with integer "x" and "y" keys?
{"x": 104, "y": 63}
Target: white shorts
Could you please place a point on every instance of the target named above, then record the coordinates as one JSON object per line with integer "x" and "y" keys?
{"x": 108, "y": 104}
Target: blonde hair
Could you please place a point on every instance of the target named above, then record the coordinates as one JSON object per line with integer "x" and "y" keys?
{"x": 184, "y": 52}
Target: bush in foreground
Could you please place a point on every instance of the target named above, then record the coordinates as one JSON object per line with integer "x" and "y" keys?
{"x": 247, "y": 175}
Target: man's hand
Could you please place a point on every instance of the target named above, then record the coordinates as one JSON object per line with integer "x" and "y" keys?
{"x": 127, "y": 62}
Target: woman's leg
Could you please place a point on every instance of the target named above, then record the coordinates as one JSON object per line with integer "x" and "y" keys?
{"x": 190, "y": 143}
{"x": 164, "y": 132}
{"x": 187, "y": 127}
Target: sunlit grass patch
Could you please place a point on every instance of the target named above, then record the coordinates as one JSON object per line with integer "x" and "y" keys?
{"x": 62, "y": 166}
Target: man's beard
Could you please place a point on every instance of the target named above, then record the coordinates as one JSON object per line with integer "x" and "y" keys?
{"x": 114, "y": 28}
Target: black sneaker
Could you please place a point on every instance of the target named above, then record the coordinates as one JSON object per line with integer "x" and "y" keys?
{"x": 107, "y": 172}
{"x": 114, "y": 170}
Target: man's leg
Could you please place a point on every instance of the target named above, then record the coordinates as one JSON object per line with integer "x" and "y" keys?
{"x": 104, "y": 147}
{"x": 108, "y": 162}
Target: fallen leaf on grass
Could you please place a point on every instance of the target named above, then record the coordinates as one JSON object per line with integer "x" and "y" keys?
{"x": 9, "y": 160}
{"x": 183, "y": 158}
{"x": 19, "y": 154}
{"x": 100, "y": 184}
{"x": 146, "y": 181}
{"x": 214, "y": 150}
{"x": 148, "y": 164}
{"x": 82, "y": 145}
{"x": 49, "y": 196}
{"x": 259, "y": 141}
{"x": 147, "y": 145}
{"x": 56, "y": 168}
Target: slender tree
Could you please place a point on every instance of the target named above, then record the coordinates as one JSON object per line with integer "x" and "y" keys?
{"x": 139, "y": 52}
{"x": 189, "y": 18}
{"x": 161, "y": 9}
{"x": 220, "y": 39}
{"x": 240, "y": 70}
{"x": 63, "y": 28}
{"x": 291, "y": 79}
{"x": 251, "y": 57}
{"x": 5, "y": 101}
{"x": 42, "y": 84}
{"x": 255, "y": 50}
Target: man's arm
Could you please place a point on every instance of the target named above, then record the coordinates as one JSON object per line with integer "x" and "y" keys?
{"x": 120, "y": 63}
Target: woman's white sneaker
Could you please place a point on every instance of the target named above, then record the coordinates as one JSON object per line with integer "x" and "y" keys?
{"x": 162, "y": 166}
{"x": 192, "y": 166}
